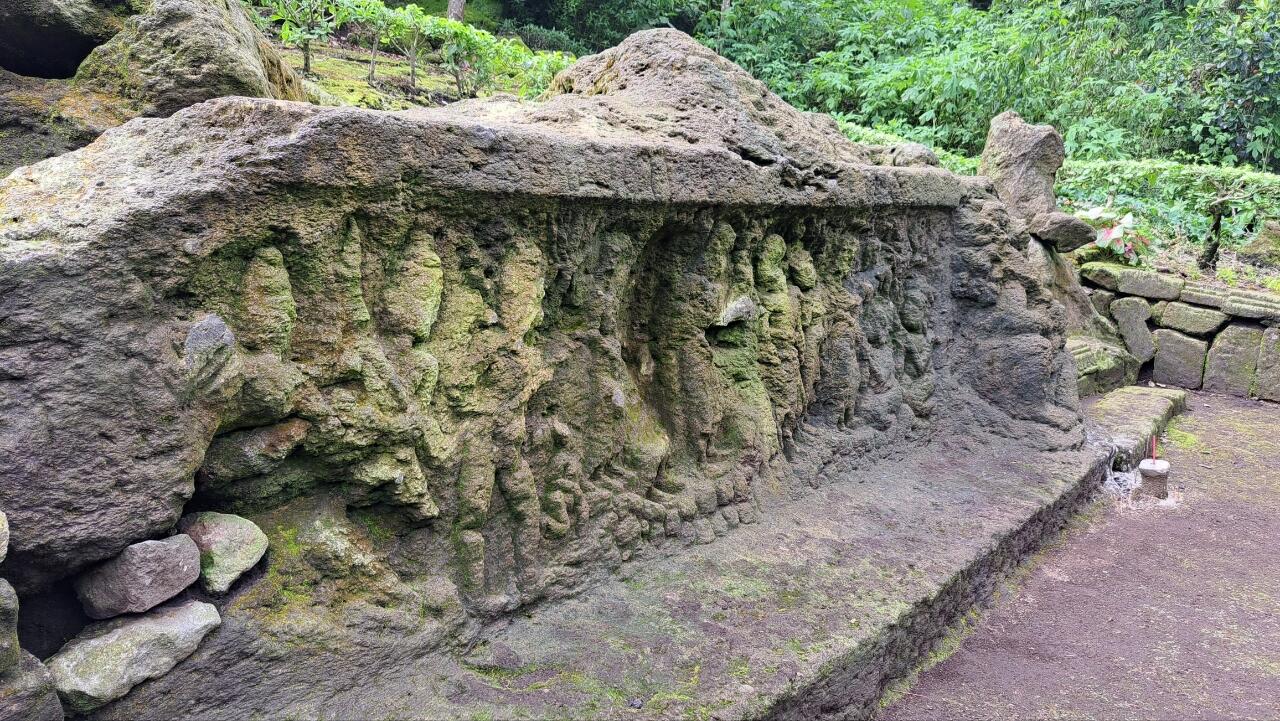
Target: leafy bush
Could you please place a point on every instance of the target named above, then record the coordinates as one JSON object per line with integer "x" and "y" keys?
{"x": 1176, "y": 201}
{"x": 1124, "y": 78}
{"x": 303, "y": 22}
{"x": 537, "y": 37}
{"x": 598, "y": 24}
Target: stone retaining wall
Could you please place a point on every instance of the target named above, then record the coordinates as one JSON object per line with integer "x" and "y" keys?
{"x": 1194, "y": 334}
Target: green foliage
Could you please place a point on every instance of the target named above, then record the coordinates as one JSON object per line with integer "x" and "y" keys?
{"x": 477, "y": 60}
{"x": 1174, "y": 202}
{"x": 370, "y": 21}
{"x": 598, "y": 24}
{"x": 537, "y": 37}
{"x": 303, "y": 22}
{"x": 1123, "y": 78}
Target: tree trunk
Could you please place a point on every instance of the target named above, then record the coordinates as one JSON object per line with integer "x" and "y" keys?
{"x": 373, "y": 60}
{"x": 457, "y": 8}
{"x": 413, "y": 70}
{"x": 306, "y": 57}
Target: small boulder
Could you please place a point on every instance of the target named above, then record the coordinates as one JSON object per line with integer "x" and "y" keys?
{"x": 1264, "y": 249}
{"x": 1064, "y": 231}
{"x": 29, "y": 694}
{"x": 1131, "y": 315}
{"x": 229, "y": 545}
{"x": 1233, "y": 360}
{"x": 107, "y": 659}
{"x": 1179, "y": 359}
{"x": 1190, "y": 319}
{"x": 142, "y": 576}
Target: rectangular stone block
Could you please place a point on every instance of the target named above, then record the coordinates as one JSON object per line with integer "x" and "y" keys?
{"x": 1233, "y": 360}
{"x": 1267, "y": 384}
{"x": 1179, "y": 359}
{"x": 1131, "y": 281}
{"x": 1203, "y": 294}
{"x": 1190, "y": 319}
{"x": 1253, "y": 304}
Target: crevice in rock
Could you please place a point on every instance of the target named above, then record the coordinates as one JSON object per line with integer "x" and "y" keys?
{"x": 49, "y": 619}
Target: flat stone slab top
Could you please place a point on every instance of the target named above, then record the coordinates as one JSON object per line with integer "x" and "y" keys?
{"x": 797, "y": 615}
{"x": 1132, "y": 415}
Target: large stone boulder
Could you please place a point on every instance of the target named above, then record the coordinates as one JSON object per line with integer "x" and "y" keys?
{"x": 107, "y": 659}
{"x": 142, "y": 576}
{"x": 458, "y": 361}
{"x": 49, "y": 38}
{"x": 171, "y": 54}
{"x": 1233, "y": 360}
{"x": 29, "y": 694}
{"x": 181, "y": 52}
{"x": 229, "y": 546}
{"x": 1022, "y": 161}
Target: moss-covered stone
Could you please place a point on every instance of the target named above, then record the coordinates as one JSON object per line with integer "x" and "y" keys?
{"x": 1233, "y": 360}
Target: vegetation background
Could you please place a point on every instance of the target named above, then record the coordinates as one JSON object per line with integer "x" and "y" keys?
{"x": 1170, "y": 108}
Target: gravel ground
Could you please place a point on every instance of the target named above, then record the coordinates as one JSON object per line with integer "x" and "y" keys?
{"x": 1142, "y": 610}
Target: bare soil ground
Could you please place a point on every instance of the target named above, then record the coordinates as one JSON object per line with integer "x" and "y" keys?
{"x": 1142, "y": 611}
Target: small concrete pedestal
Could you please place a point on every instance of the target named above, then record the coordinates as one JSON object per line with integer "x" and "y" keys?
{"x": 1155, "y": 478}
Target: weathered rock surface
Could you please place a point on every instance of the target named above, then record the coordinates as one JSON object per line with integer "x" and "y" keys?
{"x": 49, "y": 38}
{"x": 1101, "y": 366}
{"x": 1131, "y": 316}
{"x": 1254, "y": 304}
{"x": 4, "y": 536}
{"x": 457, "y": 361}
{"x": 182, "y": 52}
{"x": 1190, "y": 319}
{"x": 142, "y": 576}
{"x": 1264, "y": 249}
{"x": 109, "y": 658}
{"x": 1131, "y": 281}
{"x": 1179, "y": 359}
{"x": 1064, "y": 231}
{"x": 1267, "y": 385}
{"x": 229, "y": 546}
{"x": 172, "y": 54}
{"x": 10, "y": 651}
{"x": 1233, "y": 360}
{"x": 1204, "y": 294}
{"x": 29, "y": 694}
{"x": 1022, "y": 161}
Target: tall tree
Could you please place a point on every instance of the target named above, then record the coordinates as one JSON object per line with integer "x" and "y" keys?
{"x": 457, "y": 8}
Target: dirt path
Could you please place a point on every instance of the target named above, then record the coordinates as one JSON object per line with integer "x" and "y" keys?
{"x": 1142, "y": 612}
